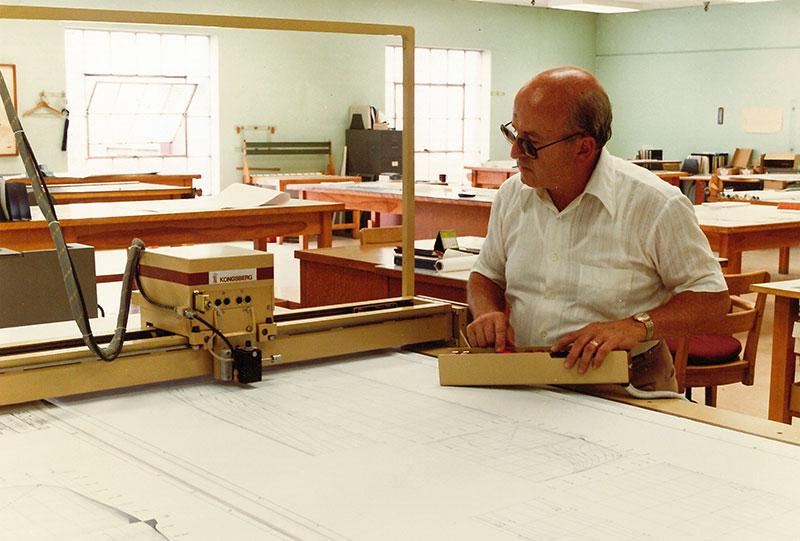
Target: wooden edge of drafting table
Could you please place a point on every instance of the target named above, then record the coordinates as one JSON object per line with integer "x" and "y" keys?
{"x": 406, "y": 33}
{"x": 685, "y": 409}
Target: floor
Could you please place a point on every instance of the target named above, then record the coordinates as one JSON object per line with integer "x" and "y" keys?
{"x": 751, "y": 400}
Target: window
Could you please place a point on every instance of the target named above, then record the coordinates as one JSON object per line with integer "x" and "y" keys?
{"x": 452, "y": 108}
{"x": 140, "y": 102}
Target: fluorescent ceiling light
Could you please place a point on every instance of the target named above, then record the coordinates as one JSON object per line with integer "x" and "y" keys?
{"x": 595, "y": 8}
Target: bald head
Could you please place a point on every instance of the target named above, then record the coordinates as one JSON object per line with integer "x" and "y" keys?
{"x": 574, "y": 95}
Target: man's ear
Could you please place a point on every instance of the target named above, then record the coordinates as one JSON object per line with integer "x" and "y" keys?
{"x": 587, "y": 148}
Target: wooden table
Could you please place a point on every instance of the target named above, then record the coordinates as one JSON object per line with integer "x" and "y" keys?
{"x": 489, "y": 177}
{"x": 116, "y": 191}
{"x": 784, "y": 397}
{"x": 180, "y": 221}
{"x": 280, "y": 182}
{"x": 658, "y": 165}
{"x": 149, "y": 178}
{"x": 436, "y": 207}
{"x": 675, "y": 177}
{"x": 358, "y": 273}
{"x": 735, "y": 227}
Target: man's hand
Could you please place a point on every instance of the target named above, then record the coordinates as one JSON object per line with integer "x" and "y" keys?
{"x": 491, "y": 328}
{"x": 593, "y": 342}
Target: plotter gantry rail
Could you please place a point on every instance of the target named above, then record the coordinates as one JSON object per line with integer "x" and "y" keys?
{"x": 229, "y": 289}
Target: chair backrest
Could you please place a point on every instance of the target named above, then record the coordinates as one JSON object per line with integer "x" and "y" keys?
{"x": 739, "y": 284}
{"x": 381, "y": 235}
{"x": 745, "y": 316}
{"x": 690, "y": 165}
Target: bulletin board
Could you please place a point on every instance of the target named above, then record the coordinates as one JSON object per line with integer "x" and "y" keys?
{"x": 8, "y": 145}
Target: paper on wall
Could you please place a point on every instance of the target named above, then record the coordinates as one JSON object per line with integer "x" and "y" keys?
{"x": 762, "y": 120}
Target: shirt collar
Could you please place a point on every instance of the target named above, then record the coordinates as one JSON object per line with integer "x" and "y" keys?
{"x": 599, "y": 186}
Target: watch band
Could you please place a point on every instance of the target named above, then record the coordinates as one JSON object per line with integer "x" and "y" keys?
{"x": 644, "y": 318}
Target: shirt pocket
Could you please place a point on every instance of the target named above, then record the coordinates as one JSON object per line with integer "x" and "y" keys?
{"x": 605, "y": 290}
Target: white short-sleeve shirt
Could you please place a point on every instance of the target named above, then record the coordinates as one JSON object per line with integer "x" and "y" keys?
{"x": 625, "y": 245}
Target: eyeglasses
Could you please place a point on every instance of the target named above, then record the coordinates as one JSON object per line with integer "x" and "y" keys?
{"x": 526, "y": 146}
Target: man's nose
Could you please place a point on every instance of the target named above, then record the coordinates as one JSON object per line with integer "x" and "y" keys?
{"x": 516, "y": 150}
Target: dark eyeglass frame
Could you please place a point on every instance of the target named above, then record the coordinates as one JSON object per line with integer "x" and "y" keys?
{"x": 526, "y": 146}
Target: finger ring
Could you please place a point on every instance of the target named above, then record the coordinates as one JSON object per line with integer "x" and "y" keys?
{"x": 594, "y": 343}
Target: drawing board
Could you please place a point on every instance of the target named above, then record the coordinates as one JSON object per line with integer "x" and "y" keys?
{"x": 371, "y": 447}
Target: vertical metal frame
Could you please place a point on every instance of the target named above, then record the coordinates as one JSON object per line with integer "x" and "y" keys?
{"x": 12, "y": 90}
{"x": 263, "y": 23}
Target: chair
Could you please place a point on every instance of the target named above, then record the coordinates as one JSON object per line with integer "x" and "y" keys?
{"x": 717, "y": 358}
{"x": 381, "y": 235}
{"x": 691, "y": 166}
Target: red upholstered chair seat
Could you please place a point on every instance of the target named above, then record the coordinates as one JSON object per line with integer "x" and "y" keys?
{"x": 709, "y": 349}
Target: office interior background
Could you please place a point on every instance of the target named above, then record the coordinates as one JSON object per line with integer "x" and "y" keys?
{"x": 667, "y": 73}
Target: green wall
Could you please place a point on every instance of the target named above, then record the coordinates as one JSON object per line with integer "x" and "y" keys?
{"x": 304, "y": 83}
{"x": 668, "y": 71}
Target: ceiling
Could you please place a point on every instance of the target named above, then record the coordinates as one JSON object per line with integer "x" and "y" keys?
{"x": 614, "y": 6}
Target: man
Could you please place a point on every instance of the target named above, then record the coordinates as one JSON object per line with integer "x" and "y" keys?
{"x": 586, "y": 249}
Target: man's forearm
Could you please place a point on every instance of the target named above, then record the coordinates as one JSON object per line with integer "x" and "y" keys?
{"x": 687, "y": 312}
{"x": 484, "y": 296}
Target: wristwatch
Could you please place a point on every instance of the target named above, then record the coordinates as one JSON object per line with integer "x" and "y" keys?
{"x": 644, "y": 317}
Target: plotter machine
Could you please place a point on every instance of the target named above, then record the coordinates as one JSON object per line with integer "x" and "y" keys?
{"x": 210, "y": 309}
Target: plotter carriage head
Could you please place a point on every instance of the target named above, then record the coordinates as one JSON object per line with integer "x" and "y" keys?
{"x": 218, "y": 296}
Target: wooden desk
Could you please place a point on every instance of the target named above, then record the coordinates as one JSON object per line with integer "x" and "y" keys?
{"x": 359, "y": 273}
{"x": 149, "y": 178}
{"x": 732, "y": 228}
{"x": 657, "y": 165}
{"x": 164, "y": 223}
{"x": 436, "y": 207}
{"x": 280, "y": 181}
{"x": 782, "y": 405}
{"x": 675, "y": 177}
{"x": 115, "y": 191}
{"x": 489, "y": 177}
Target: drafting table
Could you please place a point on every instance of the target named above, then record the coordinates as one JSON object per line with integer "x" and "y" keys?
{"x": 489, "y": 177}
{"x": 165, "y": 223}
{"x": 106, "y": 192}
{"x": 734, "y": 227}
{"x": 371, "y": 447}
{"x": 436, "y": 207}
{"x": 356, "y": 273}
{"x": 782, "y": 406}
{"x": 280, "y": 181}
{"x": 658, "y": 164}
{"x": 149, "y": 178}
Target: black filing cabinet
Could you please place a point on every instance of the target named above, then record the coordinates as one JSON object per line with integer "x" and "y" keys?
{"x": 372, "y": 152}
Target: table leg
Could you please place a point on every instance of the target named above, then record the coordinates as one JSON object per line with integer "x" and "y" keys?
{"x": 325, "y": 238}
{"x": 356, "y": 223}
{"x": 782, "y": 369}
{"x": 699, "y": 192}
{"x": 260, "y": 244}
{"x": 734, "y": 258}
{"x": 783, "y": 260}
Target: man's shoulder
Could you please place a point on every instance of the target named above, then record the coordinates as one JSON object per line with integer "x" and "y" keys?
{"x": 510, "y": 188}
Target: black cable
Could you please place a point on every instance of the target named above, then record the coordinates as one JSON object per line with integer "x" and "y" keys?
{"x": 74, "y": 293}
{"x": 192, "y": 315}
{"x": 147, "y": 297}
{"x": 186, "y": 313}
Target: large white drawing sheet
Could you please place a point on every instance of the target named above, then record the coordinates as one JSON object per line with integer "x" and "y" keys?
{"x": 373, "y": 448}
